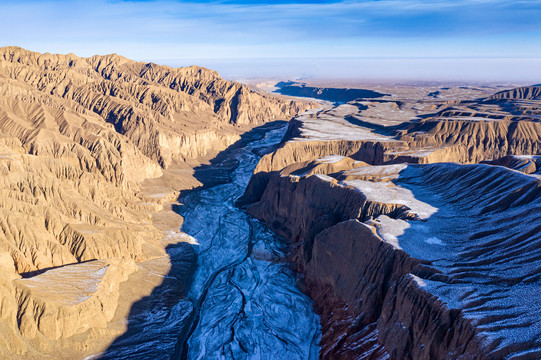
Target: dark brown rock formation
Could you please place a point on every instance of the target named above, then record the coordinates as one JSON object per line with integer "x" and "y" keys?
{"x": 424, "y": 261}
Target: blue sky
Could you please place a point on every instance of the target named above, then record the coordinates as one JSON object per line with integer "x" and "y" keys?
{"x": 488, "y": 39}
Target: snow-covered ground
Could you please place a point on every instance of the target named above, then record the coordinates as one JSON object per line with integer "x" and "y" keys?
{"x": 68, "y": 285}
{"x": 479, "y": 227}
{"x": 487, "y": 247}
{"x": 333, "y": 126}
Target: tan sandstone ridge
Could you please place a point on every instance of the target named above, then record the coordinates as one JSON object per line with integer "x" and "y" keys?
{"x": 92, "y": 152}
{"x": 407, "y": 254}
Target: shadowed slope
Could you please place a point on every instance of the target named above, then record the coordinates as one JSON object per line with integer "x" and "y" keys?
{"x": 78, "y": 136}
{"x": 413, "y": 261}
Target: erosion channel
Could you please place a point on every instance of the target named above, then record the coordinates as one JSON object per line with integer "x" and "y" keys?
{"x": 246, "y": 303}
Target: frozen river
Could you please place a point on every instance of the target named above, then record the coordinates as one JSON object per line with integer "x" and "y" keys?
{"x": 242, "y": 302}
{"x": 246, "y": 303}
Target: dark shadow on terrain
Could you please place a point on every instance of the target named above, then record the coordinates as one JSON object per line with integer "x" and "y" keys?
{"x": 220, "y": 168}
{"x": 378, "y": 129}
{"x": 216, "y": 173}
{"x": 29, "y": 274}
{"x": 159, "y": 324}
{"x": 335, "y": 95}
{"x": 155, "y": 321}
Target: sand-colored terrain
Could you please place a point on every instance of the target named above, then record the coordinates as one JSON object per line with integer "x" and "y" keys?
{"x": 412, "y": 212}
{"x": 93, "y": 152}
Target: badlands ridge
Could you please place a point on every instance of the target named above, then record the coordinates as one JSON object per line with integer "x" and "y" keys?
{"x": 412, "y": 213}
{"x": 415, "y": 224}
{"x": 78, "y": 137}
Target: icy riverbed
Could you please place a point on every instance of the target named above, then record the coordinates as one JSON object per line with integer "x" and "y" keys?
{"x": 246, "y": 304}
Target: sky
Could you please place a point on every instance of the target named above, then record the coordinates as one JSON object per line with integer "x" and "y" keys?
{"x": 478, "y": 40}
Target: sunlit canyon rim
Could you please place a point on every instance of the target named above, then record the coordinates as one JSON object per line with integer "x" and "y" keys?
{"x": 158, "y": 212}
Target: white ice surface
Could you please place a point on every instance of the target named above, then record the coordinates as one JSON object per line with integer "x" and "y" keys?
{"x": 248, "y": 304}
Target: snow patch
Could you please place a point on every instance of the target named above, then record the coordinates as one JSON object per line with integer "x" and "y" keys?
{"x": 434, "y": 240}
{"x": 331, "y": 159}
{"x": 418, "y": 280}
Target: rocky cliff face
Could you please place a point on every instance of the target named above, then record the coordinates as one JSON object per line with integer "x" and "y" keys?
{"x": 528, "y": 164}
{"x": 411, "y": 261}
{"x": 469, "y": 136}
{"x": 472, "y": 140}
{"x": 157, "y": 107}
{"x": 521, "y": 93}
{"x": 451, "y": 135}
{"x": 361, "y": 250}
{"x": 78, "y": 137}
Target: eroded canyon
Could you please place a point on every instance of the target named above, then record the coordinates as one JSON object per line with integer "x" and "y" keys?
{"x": 157, "y": 212}
{"x": 416, "y": 224}
{"x": 94, "y": 152}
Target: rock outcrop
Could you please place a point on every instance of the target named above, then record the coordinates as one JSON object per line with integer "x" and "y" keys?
{"x": 528, "y": 164}
{"x": 521, "y": 93}
{"x": 455, "y": 134}
{"x": 78, "y": 138}
{"x": 407, "y": 256}
{"x": 362, "y": 251}
{"x": 162, "y": 110}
